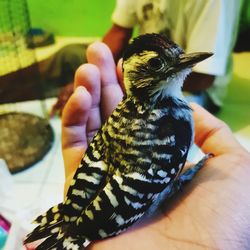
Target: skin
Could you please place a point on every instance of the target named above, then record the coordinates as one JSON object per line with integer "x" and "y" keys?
{"x": 212, "y": 212}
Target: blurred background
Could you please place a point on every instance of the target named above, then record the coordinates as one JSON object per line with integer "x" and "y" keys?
{"x": 72, "y": 18}
{"x": 41, "y": 45}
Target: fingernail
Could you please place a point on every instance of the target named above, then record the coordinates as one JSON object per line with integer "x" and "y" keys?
{"x": 80, "y": 89}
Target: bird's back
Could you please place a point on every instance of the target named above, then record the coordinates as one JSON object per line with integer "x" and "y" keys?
{"x": 142, "y": 150}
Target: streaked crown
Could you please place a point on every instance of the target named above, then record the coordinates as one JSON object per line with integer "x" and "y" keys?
{"x": 152, "y": 42}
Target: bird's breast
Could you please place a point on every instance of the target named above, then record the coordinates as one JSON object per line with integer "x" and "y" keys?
{"x": 147, "y": 141}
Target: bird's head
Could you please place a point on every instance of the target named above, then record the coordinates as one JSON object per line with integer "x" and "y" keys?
{"x": 155, "y": 67}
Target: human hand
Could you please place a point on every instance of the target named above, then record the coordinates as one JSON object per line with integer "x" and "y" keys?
{"x": 212, "y": 212}
{"x": 86, "y": 110}
{"x": 62, "y": 99}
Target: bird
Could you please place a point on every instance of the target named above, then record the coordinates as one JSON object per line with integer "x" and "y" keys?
{"x": 138, "y": 152}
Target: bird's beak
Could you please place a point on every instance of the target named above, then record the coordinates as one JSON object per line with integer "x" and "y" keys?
{"x": 189, "y": 60}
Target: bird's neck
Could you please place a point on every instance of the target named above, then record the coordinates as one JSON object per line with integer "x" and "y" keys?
{"x": 170, "y": 87}
{"x": 170, "y": 92}
{"x": 167, "y": 89}
{"x": 169, "y": 102}
{"x": 155, "y": 92}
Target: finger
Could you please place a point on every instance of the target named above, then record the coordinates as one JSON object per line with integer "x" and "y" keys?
{"x": 100, "y": 55}
{"x": 54, "y": 110}
{"x": 88, "y": 75}
{"x": 62, "y": 99}
{"x": 74, "y": 122}
{"x": 212, "y": 134}
{"x": 120, "y": 75}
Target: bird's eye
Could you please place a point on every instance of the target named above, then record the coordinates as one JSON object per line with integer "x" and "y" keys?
{"x": 155, "y": 63}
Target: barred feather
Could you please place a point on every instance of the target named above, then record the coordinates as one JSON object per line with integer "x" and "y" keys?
{"x": 54, "y": 214}
{"x": 138, "y": 152}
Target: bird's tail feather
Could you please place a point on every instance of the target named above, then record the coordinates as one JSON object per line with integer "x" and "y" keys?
{"x": 62, "y": 244}
{"x": 51, "y": 243}
{"x": 49, "y": 224}
{"x": 52, "y": 215}
{"x": 50, "y": 230}
{"x": 57, "y": 240}
{"x": 41, "y": 232}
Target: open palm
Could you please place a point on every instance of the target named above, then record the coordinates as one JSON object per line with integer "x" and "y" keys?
{"x": 213, "y": 212}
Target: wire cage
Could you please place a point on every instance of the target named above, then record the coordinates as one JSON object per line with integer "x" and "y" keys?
{"x": 24, "y": 137}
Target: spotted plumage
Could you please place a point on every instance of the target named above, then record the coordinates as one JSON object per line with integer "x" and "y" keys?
{"x": 138, "y": 152}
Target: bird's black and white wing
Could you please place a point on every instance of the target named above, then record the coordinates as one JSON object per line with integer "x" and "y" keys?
{"x": 91, "y": 176}
{"x": 151, "y": 161}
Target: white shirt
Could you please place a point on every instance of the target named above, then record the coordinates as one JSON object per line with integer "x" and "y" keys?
{"x": 195, "y": 25}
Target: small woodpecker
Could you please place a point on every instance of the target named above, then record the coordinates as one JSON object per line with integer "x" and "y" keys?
{"x": 137, "y": 154}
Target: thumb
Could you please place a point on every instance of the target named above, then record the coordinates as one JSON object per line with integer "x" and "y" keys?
{"x": 212, "y": 134}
